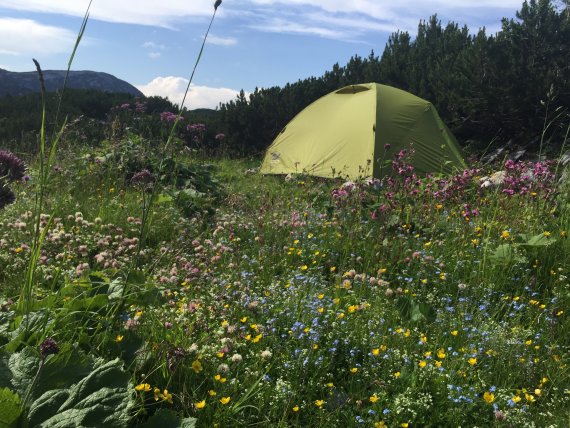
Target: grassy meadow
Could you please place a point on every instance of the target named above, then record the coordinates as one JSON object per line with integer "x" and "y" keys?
{"x": 150, "y": 286}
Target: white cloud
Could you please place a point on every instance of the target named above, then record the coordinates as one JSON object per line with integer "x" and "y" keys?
{"x": 28, "y": 37}
{"x": 347, "y": 20}
{"x": 277, "y": 25}
{"x": 154, "y": 55}
{"x": 221, "y": 41}
{"x": 386, "y": 9}
{"x": 354, "y": 20}
{"x": 173, "y": 87}
{"x": 145, "y": 12}
{"x": 152, "y": 45}
{"x": 167, "y": 14}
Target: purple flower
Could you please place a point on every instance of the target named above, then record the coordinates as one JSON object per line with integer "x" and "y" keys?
{"x": 48, "y": 347}
{"x": 11, "y": 166}
{"x": 140, "y": 107}
{"x": 220, "y": 137}
{"x": 196, "y": 127}
{"x": 168, "y": 116}
{"x": 143, "y": 178}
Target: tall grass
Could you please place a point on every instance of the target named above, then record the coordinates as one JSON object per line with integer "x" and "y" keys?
{"x": 46, "y": 159}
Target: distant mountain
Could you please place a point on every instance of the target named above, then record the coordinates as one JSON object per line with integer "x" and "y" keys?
{"x": 15, "y": 84}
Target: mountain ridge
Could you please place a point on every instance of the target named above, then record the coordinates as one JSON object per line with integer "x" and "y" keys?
{"x": 27, "y": 82}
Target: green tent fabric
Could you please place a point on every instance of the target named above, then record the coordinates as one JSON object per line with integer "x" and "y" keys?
{"x": 344, "y": 134}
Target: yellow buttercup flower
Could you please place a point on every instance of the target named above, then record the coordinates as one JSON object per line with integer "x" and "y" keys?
{"x": 472, "y": 361}
{"x": 319, "y": 403}
{"x": 422, "y": 364}
{"x": 197, "y": 366}
{"x": 489, "y": 397}
{"x": 373, "y": 398}
{"x": 225, "y": 400}
{"x": 200, "y": 404}
{"x": 167, "y": 396}
{"x": 143, "y": 387}
{"x": 296, "y": 408}
{"x": 218, "y": 377}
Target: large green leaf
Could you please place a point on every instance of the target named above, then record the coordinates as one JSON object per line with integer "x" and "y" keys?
{"x": 503, "y": 254}
{"x": 102, "y": 398}
{"x": 5, "y": 375}
{"x": 29, "y": 329}
{"x": 9, "y": 408}
{"x": 87, "y": 303}
{"x": 540, "y": 240}
{"x": 410, "y": 310}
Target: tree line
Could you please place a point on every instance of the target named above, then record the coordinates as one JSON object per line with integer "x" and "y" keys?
{"x": 509, "y": 87}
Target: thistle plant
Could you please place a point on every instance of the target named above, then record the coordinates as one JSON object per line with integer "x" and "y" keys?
{"x": 12, "y": 169}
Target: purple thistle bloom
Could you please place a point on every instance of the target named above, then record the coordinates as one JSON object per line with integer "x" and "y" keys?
{"x": 168, "y": 116}
{"x": 48, "y": 347}
{"x": 143, "y": 178}
{"x": 11, "y": 166}
{"x": 220, "y": 136}
{"x": 196, "y": 127}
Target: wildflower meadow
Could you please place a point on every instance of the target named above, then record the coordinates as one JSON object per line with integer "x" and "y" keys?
{"x": 146, "y": 283}
{"x": 409, "y": 301}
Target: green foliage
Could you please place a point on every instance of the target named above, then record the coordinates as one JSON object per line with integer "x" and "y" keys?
{"x": 413, "y": 311}
{"x": 503, "y": 88}
{"x": 20, "y": 116}
{"x": 9, "y": 408}
{"x": 100, "y": 398}
{"x": 167, "y": 418}
{"x": 67, "y": 389}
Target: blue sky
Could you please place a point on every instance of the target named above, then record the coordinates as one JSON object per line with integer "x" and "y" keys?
{"x": 253, "y": 43}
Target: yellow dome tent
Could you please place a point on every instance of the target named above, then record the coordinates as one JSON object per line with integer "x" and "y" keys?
{"x": 346, "y": 133}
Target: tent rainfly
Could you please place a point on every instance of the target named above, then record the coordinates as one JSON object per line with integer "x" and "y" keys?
{"x": 353, "y": 131}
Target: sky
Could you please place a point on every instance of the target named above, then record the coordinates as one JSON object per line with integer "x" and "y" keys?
{"x": 252, "y": 43}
